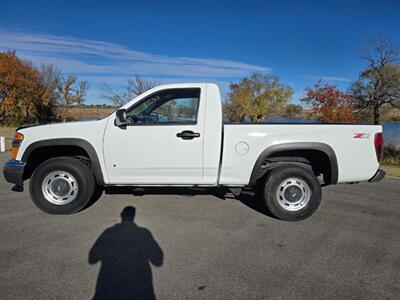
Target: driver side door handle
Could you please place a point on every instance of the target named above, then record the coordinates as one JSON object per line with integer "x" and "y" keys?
{"x": 188, "y": 135}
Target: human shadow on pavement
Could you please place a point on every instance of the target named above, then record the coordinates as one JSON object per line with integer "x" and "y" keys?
{"x": 126, "y": 253}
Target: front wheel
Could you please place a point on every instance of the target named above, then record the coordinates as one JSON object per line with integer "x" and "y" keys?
{"x": 292, "y": 193}
{"x": 62, "y": 185}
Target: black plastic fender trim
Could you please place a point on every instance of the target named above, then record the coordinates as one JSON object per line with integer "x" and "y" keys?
{"x": 96, "y": 167}
{"x": 255, "y": 175}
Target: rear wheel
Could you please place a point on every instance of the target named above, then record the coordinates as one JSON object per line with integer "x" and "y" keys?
{"x": 292, "y": 193}
{"x": 62, "y": 185}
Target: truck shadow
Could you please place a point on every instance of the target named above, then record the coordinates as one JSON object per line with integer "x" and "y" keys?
{"x": 257, "y": 204}
{"x": 180, "y": 191}
{"x": 126, "y": 252}
{"x": 247, "y": 198}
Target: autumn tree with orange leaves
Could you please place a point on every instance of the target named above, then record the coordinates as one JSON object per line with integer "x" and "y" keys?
{"x": 329, "y": 104}
{"x": 24, "y": 98}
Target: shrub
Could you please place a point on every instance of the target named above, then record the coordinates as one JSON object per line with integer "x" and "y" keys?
{"x": 391, "y": 154}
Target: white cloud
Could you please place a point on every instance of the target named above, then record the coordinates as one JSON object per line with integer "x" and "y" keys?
{"x": 99, "y": 61}
{"x": 328, "y": 78}
{"x": 98, "y": 58}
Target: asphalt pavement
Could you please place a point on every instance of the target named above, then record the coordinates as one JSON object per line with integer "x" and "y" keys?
{"x": 202, "y": 244}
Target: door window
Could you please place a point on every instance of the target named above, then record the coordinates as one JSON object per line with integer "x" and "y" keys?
{"x": 175, "y": 106}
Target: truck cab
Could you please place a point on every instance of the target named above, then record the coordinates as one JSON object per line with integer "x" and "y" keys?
{"x": 170, "y": 135}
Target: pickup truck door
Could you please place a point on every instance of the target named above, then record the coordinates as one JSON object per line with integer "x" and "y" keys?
{"x": 163, "y": 141}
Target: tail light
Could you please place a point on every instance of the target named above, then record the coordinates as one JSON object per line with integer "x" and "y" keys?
{"x": 379, "y": 145}
{"x": 18, "y": 138}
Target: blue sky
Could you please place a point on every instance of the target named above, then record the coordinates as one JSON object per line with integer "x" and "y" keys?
{"x": 198, "y": 41}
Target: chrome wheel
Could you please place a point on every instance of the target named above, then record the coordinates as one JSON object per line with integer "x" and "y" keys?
{"x": 60, "y": 188}
{"x": 293, "y": 194}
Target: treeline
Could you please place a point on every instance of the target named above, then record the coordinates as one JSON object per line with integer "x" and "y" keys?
{"x": 31, "y": 94}
{"x": 99, "y": 106}
{"x": 377, "y": 89}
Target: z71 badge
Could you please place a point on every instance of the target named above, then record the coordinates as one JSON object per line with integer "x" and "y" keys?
{"x": 361, "y": 135}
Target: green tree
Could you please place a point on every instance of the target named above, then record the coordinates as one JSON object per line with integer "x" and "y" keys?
{"x": 379, "y": 84}
{"x": 256, "y": 97}
{"x": 293, "y": 110}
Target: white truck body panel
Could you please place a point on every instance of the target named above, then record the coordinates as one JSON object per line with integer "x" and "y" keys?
{"x": 90, "y": 131}
{"x": 356, "y": 157}
{"x": 153, "y": 155}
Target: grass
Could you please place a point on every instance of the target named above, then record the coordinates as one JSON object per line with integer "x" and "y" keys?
{"x": 77, "y": 113}
{"x": 392, "y": 171}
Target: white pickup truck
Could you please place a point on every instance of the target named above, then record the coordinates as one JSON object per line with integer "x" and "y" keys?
{"x": 173, "y": 135}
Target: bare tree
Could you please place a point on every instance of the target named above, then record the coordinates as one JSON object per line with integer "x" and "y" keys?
{"x": 380, "y": 51}
{"x": 135, "y": 86}
{"x": 379, "y": 84}
{"x": 71, "y": 92}
{"x": 49, "y": 76}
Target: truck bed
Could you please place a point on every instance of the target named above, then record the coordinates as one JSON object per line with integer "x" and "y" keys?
{"x": 243, "y": 143}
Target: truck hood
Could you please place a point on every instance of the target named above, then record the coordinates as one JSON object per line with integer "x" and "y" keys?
{"x": 28, "y": 125}
{"x": 84, "y": 130}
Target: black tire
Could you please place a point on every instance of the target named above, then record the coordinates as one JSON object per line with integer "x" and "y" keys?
{"x": 82, "y": 175}
{"x": 276, "y": 180}
{"x": 98, "y": 192}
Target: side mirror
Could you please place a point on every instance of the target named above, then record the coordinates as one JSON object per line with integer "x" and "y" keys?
{"x": 120, "y": 117}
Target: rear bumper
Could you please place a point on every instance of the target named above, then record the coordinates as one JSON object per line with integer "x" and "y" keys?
{"x": 14, "y": 172}
{"x": 379, "y": 175}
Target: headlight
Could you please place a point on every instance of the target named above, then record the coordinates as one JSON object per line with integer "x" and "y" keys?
{"x": 18, "y": 138}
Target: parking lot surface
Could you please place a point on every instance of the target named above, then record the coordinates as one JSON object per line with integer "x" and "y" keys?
{"x": 202, "y": 244}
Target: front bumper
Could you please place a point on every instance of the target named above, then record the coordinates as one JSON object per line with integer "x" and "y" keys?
{"x": 14, "y": 172}
{"x": 379, "y": 175}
